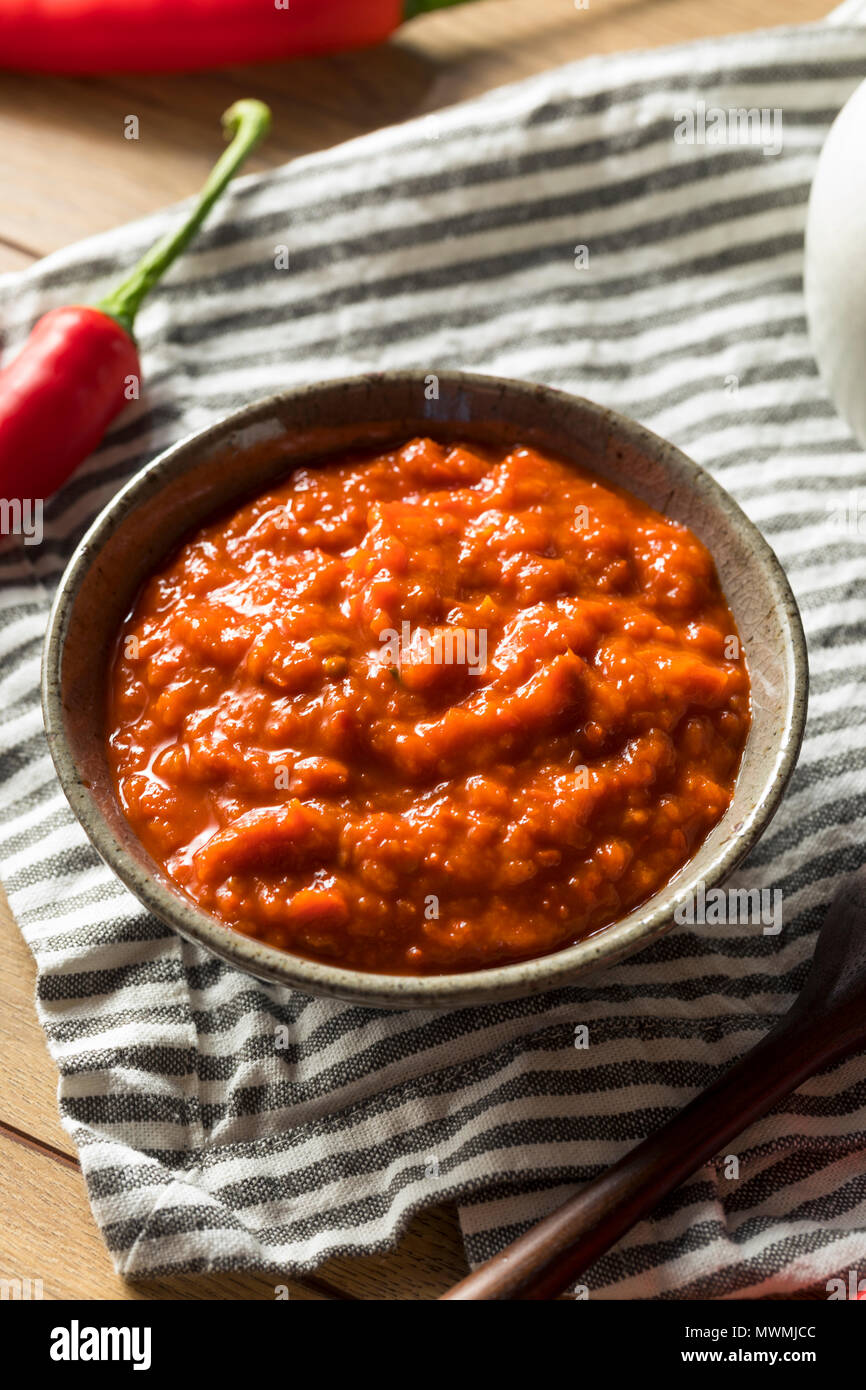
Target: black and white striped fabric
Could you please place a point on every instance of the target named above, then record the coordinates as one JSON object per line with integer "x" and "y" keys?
{"x": 223, "y": 1123}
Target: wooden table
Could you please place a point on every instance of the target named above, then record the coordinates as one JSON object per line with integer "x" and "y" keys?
{"x": 66, "y": 171}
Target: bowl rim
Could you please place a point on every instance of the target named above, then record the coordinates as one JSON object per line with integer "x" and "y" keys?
{"x": 638, "y": 929}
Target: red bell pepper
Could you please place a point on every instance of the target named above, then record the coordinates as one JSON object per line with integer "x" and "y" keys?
{"x": 80, "y": 366}
{"x": 90, "y": 36}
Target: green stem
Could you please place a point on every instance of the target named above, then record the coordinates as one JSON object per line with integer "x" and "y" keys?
{"x": 413, "y": 7}
{"x": 246, "y": 122}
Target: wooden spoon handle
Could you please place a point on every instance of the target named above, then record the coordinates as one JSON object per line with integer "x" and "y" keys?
{"x": 544, "y": 1261}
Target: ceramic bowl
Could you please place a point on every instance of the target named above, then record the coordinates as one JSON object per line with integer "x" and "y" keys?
{"x": 247, "y": 452}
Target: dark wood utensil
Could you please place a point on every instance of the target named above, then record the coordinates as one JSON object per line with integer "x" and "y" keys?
{"x": 826, "y": 1021}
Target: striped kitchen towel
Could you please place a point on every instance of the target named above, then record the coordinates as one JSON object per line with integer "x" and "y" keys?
{"x": 574, "y": 229}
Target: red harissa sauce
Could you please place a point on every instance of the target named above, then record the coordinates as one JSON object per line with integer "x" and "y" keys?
{"x": 392, "y": 806}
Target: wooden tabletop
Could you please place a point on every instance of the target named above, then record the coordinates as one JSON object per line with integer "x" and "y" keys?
{"x": 66, "y": 171}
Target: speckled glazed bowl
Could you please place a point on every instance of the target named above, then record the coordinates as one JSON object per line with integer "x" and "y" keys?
{"x": 243, "y": 455}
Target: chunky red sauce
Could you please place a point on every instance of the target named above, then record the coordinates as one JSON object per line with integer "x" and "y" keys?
{"x": 376, "y": 795}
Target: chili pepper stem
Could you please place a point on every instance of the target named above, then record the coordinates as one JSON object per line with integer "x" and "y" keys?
{"x": 247, "y": 122}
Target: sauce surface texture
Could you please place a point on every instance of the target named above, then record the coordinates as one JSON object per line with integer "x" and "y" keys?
{"x": 430, "y": 711}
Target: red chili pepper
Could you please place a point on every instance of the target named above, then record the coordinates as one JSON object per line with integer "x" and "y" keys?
{"x": 87, "y": 36}
{"x": 80, "y": 365}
